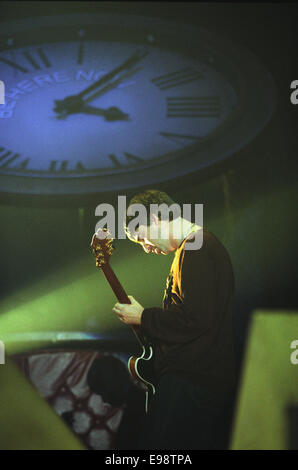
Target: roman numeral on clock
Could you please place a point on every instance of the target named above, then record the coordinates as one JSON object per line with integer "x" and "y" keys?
{"x": 37, "y": 59}
{"x": 174, "y": 79}
{"x": 80, "y": 167}
{"x": 80, "y": 53}
{"x": 7, "y": 157}
{"x": 193, "y": 106}
{"x": 81, "y": 46}
{"x": 179, "y": 138}
{"x": 132, "y": 160}
{"x": 56, "y": 166}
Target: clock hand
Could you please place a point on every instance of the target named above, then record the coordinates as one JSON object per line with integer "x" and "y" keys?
{"x": 128, "y": 64}
{"x": 74, "y": 104}
{"x": 75, "y": 101}
{"x": 110, "y": 114}
{"x": 112, "y": 85}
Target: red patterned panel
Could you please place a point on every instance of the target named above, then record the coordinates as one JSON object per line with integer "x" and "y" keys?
{"x": 60, "y": 377}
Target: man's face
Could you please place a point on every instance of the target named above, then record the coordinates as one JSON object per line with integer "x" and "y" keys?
{"x": 149, "y": 239}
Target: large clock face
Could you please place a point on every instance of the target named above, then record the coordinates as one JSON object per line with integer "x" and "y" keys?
{"x": 154, "y": 103}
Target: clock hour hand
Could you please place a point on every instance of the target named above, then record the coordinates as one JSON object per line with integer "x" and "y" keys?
{"x": 70, "y": 104}
{"x": 110, "y": 114}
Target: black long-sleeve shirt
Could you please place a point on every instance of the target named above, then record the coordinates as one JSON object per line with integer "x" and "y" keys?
{"x": 192, "y": 331}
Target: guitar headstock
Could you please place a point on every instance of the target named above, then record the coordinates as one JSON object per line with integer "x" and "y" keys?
{"x": 102, "y": 247}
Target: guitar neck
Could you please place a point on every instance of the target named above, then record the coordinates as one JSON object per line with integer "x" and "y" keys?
{"x": 122, "y": 298}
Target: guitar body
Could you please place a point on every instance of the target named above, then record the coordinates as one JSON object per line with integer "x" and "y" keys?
{"x": 141, "y": 369}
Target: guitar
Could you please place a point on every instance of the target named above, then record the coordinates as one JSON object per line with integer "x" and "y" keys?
{"x": 140, "y": 368}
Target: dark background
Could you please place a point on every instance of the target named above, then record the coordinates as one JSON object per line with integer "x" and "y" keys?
{"x": 250, "y": 205}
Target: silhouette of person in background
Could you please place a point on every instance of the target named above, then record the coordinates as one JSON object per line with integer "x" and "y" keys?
{"x": 108, "y": 377}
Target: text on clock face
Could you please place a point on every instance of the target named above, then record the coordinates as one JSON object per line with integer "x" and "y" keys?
{"x": 44, "y": 80}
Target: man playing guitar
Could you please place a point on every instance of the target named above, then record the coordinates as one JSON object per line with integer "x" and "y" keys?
{"x": 191, "y": 335}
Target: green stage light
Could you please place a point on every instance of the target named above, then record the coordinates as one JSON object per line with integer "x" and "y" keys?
{"x": 27, "y": 421}
{"x": 79, "y": 298}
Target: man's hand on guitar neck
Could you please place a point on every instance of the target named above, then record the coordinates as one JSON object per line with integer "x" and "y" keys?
{"x": 130, "y": 314}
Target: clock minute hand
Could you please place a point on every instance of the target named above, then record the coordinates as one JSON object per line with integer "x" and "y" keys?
{"x": 130, "y": 62}
{"x": 112, "y": 85}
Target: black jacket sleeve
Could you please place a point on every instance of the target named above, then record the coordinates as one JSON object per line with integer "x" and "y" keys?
{"x": 196, "y": 314}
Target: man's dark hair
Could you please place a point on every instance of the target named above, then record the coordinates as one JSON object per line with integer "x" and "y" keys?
{"x": 146, "y": 198}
